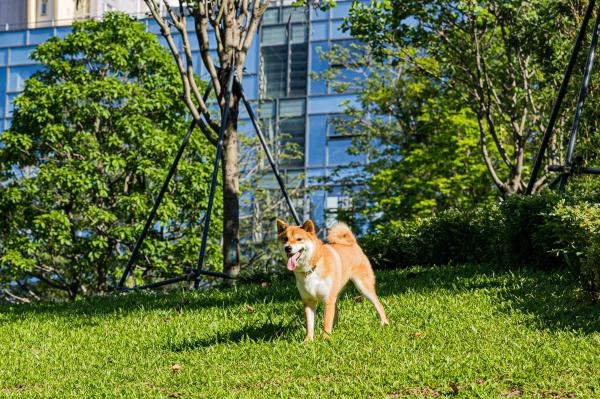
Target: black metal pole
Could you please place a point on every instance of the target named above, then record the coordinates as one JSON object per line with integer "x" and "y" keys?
{"x": 213, "y": 183}
{"x": 185, "y": 277}
{"x": 265, "y": 146}
{"x": 159, "y": 198}
{"x": 589, "y": 64}
{"x": 559, "y": 98}
{"x": 567, "y": 170}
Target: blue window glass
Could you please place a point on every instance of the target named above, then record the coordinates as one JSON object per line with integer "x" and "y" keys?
{"x": 212, "y": 40}
{"x": 293, "y": 132}
{"x": 336, "y": 30}
{"x": 338, "y": 152}
{"x": 244, "y": 124}
{"x": 18, "y": 75}
{"x": 194, "y": 46}
{"x": 189, "y": 21}
{"x": 298, "y": 69}
{"x": 329, "y": 104}
{"x": 12, "y": 39}
{"x": 341, "y": 10}
{"x": 356, "y": 50}
{"x": 251, "y": 62}
{"x": 316, "y": 14}
{"x": 153, "y": 26}
{"x": 7, "y": 124}
{"x": 275, "y": 70}
{"x": 37, "y": 36}
{"x": 62, "y": 31}
{"x": 20, "y": 55}
{"x": 317, "y": 207}
{"x": 271, "y": 16}
{"x": 292, "y": 107}
{"x": 318, "y": 64}
{"x": 2, "y": 91}
{"x": 3, "y": 56}
{"x": 293, "y": 14}
{"x": 274, "y": 35}
{"x": 315, "y": 176}
{"x": 319, "y": 30}
{"x": 299, "y": 33}
{"x": 317, "y": 135}
{"x": 250, "y": 84}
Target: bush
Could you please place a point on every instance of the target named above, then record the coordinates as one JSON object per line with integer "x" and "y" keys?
{"x": 523, "y": 239}
{"x": 572, "y": 232}
{"x": 545, "y": 232}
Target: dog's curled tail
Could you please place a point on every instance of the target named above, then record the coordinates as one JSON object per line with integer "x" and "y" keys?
{"x": 340, "y": 233}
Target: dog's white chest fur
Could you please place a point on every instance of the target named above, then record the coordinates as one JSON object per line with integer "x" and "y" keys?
{"x": 312, "y": 286}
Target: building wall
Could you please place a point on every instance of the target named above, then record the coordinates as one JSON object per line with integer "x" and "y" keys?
{"x": 46, "y": 13}
{"x": 13, "y": 13}
{"x": 277, "y": 77}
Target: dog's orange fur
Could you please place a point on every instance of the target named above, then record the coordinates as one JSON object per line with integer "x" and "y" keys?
{"x": 327, "y": 269}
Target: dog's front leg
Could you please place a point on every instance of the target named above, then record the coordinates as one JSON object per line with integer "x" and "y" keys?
{"x": 309, "y": 315}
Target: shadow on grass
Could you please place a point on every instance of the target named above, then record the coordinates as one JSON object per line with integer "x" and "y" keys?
{"x": 266, "y": 332}
{"x": 174, "y": 300}
{"x": 555, "y": 299}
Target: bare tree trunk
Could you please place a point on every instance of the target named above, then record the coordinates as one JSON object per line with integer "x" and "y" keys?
{"x": 234, "y": 24}
{"x": 231, "y": 195}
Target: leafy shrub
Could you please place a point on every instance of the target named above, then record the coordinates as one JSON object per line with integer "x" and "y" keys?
{"x": 523, "y": 239}
{"x": 572, "y": 232}
{"x": 590, "y": 267}
{"x": 545, "y": 232}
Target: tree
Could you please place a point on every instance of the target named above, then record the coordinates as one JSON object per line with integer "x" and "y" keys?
{"x": 234, "y": 25}
{"x": 420, "y": 140}
{"x": 92, "y": 136}
{"x": 494, "y": 55}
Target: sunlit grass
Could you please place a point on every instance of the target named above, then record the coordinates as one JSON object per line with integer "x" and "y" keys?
{"x": 466, "y": 331}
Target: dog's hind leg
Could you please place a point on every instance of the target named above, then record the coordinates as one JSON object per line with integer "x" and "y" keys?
{"x": 329, "y": 317}
{"x": 365, "y": 284}
{"x": 337, "y": 315}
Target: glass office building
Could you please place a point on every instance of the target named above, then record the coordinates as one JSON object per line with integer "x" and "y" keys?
{"x": 278, "y": 75}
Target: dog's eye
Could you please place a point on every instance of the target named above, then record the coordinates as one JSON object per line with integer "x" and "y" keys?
{"x": 285, "y": 239}
{"x": 298, "y": 239}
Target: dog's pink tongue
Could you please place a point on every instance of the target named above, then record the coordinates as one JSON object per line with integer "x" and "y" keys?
{"x": 293, "y": 261}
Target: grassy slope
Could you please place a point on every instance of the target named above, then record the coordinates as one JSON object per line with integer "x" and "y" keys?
{"x": 465, "y": 331}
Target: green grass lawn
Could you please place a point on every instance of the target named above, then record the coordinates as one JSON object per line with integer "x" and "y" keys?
{"x": 465, "y": 331}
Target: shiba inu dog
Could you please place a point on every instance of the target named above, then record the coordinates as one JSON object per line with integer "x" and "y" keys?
{"x": 322, "y": 270}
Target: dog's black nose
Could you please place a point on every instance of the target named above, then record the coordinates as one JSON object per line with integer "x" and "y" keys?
{"x": 288, "y": 249}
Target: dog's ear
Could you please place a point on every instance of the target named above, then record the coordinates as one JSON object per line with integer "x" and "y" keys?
{"x": 309, "y": 226}
{"x": 281, "y": 226}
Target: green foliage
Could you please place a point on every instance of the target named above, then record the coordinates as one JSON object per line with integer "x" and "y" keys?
{"x": 499, "y": 64}
{"x": 545, "y": 232}
{"x": 525, "y": 239}
{"x": 421, "y": 142}
{"x": 576, "y": 233}
{"x": 466, "y": 331}
{"x": 92, "y": 137}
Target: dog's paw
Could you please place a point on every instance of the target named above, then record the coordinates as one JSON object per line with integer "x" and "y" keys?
{"x": 385, "y": 322}
{"x": 308, "y": 339}
{"x": 326, "y": 336}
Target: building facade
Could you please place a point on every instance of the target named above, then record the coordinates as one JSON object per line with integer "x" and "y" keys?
{"x": 278, "y": 76}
